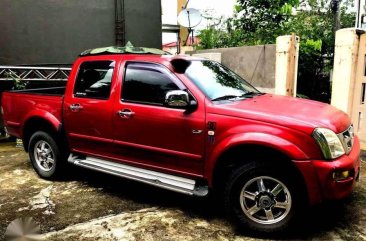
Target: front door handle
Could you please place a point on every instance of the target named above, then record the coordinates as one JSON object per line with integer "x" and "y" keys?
{"x": 75, "y": 107}
{"x": 126, "y": 113}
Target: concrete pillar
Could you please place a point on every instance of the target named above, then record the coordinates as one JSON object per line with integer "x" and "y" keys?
{"x": 344, "y": 69}
{"x": 287, "y": 58}
{"x": 349, "y": 78}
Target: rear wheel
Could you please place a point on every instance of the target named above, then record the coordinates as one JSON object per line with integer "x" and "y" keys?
{"x": 45, "y": 155}
{"x": 261, "y": 197}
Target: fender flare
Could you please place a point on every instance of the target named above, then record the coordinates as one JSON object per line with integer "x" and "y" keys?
{"x": 44, "y": 115}
{"x": 252, "y": 138}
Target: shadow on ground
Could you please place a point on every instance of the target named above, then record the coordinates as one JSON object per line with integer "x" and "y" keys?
{"x": 83, "y": 195}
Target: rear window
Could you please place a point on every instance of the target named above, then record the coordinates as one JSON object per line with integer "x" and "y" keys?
{"x": 94, "y": 79}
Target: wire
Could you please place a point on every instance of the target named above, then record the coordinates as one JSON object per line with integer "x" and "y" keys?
{"x": 255, "y": 69}
{"x": 185, "y": 6}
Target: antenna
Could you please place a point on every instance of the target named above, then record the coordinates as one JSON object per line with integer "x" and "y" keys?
{"x": 189, "y": 18}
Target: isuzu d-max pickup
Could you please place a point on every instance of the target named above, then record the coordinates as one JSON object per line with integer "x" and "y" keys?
{"x": 189, "y": 125}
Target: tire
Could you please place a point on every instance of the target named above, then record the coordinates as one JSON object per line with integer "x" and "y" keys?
{"x": 45, "y": 155}
{"x": 261, "y": 197}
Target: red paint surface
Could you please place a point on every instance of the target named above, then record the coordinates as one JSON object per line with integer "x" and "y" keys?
{"x": 161, "y": 138}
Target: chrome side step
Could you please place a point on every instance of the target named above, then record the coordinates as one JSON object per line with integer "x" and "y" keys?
{"x": 166, "y": 181}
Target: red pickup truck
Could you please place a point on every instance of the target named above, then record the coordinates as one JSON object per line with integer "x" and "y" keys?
{"x": 189, "y": 125}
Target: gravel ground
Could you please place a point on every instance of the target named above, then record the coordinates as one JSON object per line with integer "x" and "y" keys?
{"x": 86, "y": 205}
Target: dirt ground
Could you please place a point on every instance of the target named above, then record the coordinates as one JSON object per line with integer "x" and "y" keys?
{"x": 86, "y": 205}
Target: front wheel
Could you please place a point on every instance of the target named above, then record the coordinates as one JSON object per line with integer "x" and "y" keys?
{"x": 45, "y": 155}
{"x": 261, "y": 198}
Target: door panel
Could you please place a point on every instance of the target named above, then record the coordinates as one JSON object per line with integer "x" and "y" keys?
{"x": 155, "y": 135}
{"x": 88, "y": 112}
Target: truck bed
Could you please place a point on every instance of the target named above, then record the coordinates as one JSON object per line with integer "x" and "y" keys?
{"x": 19, "y": 105}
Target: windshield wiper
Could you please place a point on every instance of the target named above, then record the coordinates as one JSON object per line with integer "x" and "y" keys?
{"x": 226, "y": 97}
{"x": 251, "y": 94}
{"x": 230, "y": 97}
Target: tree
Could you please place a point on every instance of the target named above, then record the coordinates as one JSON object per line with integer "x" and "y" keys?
{"x": 262, "y": 21}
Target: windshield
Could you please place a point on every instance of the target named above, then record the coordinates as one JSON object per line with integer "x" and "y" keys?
{"x": 218, "y": 82}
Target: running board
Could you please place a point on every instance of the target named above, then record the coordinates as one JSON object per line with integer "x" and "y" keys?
{"x": 166, "y": 181}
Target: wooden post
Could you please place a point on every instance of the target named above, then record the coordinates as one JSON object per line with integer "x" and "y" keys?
{"x": 287, "y": 56}
{"x": 358, "y": 113}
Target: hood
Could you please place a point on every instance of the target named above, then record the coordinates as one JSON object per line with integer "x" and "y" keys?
{"x": 301, "y": 114}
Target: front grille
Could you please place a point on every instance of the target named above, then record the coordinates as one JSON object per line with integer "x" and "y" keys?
{"x": 346, "y": 138}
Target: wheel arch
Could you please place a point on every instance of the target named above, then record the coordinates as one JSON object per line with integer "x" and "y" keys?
{"x": 37, "y": 123}
{"x": 225, "y": 163}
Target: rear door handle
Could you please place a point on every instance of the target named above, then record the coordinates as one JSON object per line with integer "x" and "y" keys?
{"x": 126, "y": 113}
{"x": 75, "y": 107}
{"x": 197, "y": 131}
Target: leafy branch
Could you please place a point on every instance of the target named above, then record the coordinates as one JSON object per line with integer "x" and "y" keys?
{"x": 19, "y": 84}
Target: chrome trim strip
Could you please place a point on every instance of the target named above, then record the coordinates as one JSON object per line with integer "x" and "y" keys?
{"x": 347, "y": 138}
{"x": 158, "y": 149}
{"x": 166, "y": 181}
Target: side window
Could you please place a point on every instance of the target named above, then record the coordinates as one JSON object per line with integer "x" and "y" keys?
{"x": 147, "y": 83}
{"x": 94, "y": 79}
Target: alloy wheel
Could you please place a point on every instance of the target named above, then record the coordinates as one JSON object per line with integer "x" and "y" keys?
{"x": 265, "y": 200}
{"x": 44, "y": 156}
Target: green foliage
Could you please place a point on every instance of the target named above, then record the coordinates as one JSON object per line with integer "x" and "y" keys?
{"x": 211, "y": 38}
{"x": 262, "y": 21}
{"x": 19, "y": 84}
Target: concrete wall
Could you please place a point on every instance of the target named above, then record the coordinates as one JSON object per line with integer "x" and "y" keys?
{"x": 56, "y": 31}
{"x": 256, "y": 64}
{"x": 143, "y": 23}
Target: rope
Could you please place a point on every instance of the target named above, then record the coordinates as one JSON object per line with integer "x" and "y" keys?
{"x": 255, "y": 69}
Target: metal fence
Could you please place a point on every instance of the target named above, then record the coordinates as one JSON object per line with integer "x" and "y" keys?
{"x": 34, "y": 73}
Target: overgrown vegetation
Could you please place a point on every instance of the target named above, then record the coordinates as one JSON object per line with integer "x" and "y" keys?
{"x": 262, "y": 21}
{"x": 19, "y": 84}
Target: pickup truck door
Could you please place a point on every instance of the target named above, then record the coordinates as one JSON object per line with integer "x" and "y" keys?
{"x": 149, "y": 134}
{"x": 88, "y": 108}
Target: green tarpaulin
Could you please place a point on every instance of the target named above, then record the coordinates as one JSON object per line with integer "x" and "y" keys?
{"x": 128, "y": 48}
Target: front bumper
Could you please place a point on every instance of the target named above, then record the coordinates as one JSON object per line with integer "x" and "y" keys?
{"x": 320, "y": 182}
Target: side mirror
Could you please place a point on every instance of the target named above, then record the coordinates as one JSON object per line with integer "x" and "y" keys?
{"x": 177, "y": 99}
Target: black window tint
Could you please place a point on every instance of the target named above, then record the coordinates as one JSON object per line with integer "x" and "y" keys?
{"x": 94, "y": 80}
{"x": 146, "y": 83}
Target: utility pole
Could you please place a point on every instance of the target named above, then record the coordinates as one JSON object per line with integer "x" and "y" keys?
{"x": 119, "y": 6}
{"x": 183, "y": 32}
{"x": 358, "y": 15}
{"x": 335, "y": 6}
{"x": 361, "y": 14}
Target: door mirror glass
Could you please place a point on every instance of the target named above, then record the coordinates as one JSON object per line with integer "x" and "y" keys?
{"x": 177, "y": 99}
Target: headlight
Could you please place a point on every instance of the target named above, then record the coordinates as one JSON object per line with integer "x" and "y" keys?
{"x": 329, "y": 143}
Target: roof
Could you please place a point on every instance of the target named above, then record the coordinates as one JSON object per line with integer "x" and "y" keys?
{"x": 127, "y": 49}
